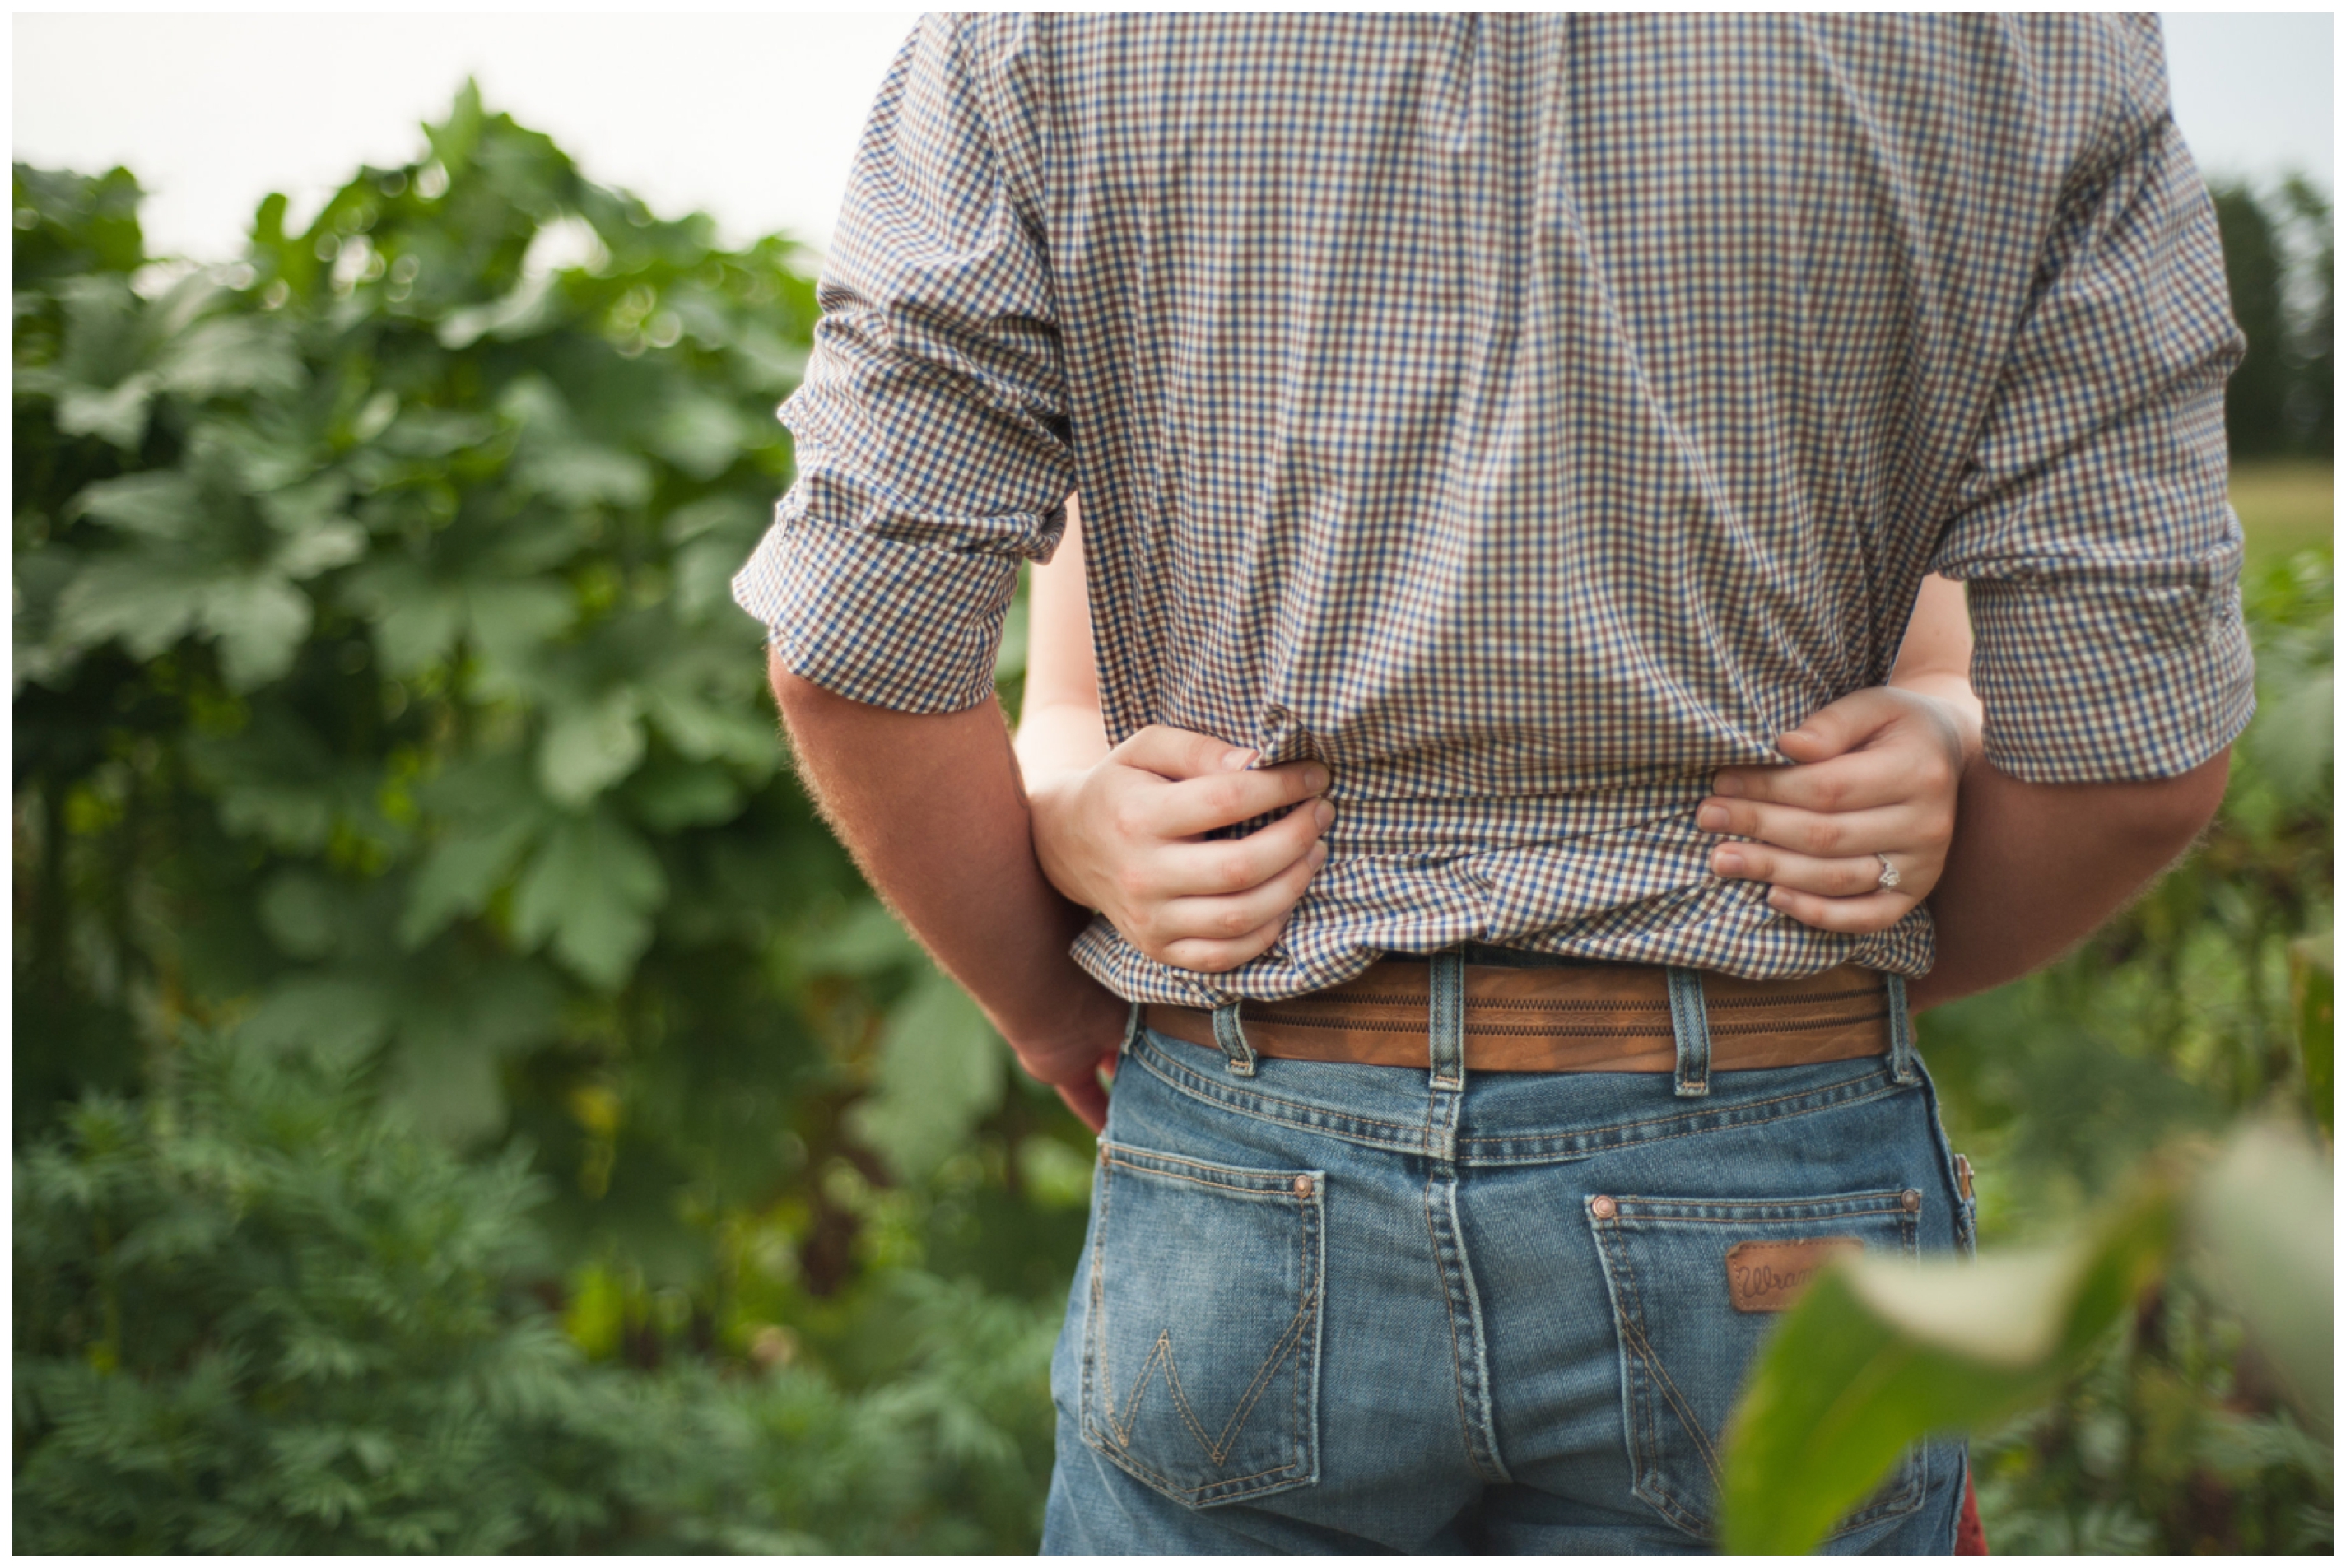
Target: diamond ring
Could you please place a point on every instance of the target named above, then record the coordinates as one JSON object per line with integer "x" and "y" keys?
{"x": 1889, "y": 877}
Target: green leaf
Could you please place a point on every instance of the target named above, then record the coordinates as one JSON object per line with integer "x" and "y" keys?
{"x": 588, "y": 749}
{"x": 322, "y": 548}
{"x": 439, "y": 1088}
{"x": 701, "y": 434}
{"x": 157, "y": 505}
{"x": 230, "y": 354}
{"x": 327, "y": 1016}
{"x": 143, "y": 601}
{"x": 939, "y": 1075}
{"x": 2290, "y": 740}
{"x": 415, "y": 618}
{"x": 260, "y": 623}
{"x": 869, "y": 941}
{"x": 580, "y": 474}
{"x": 592, "y": 889}
{"x": 300, "y": 911}
{"x": 673, "y": 796}
{"x": 510, "y": 620}
{"x": 117, "y": 413}
{"x": 461, "y": 871}
{"x": 2264, "y": 1225}
{"x": 528, "y": 309}
{"x": 1879, "y": 1353}
{"x": 700, "y": 730}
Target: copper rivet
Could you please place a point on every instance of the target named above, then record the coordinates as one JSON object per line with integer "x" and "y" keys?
{"x": 1912, "y": 1199}
{"x": 1102, "y": 1154}
{"x": 1602, "y": 1208}
{"x": 1303, "y": 1187}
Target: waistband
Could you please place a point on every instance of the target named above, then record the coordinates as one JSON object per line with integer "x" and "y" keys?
{"x": 1583, "y": 1017}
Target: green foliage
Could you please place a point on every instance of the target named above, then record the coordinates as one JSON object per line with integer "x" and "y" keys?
{"x": 1879, "y": 1353}
{"x": 381, "y": 708}
{"x": 252, "y": 1318}
{"x": 380, "y": 716}
{"x": 2278, "y": 255}
{"x": 2207, "y": 1000}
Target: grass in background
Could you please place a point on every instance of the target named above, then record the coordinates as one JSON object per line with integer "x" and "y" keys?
{"x": 2284, "y": 505}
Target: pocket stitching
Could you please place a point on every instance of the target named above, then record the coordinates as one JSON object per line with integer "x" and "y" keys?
{"x": 1297, "y": 1336}
{"x": 1609, "y": 1235}
{"x": 1678, "y": 1406}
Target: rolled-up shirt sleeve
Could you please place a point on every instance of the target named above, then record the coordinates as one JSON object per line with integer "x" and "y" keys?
{"x": 2101, "y": 556}
{"x": 932, "y": 436}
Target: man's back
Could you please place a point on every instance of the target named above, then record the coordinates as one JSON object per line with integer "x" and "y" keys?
{"x": 1525, "y": 417}
{"x": 1528, "y": 417}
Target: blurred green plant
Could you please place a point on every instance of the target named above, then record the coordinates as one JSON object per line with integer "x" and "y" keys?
{"x": 252, "y": 1316}
{"x": 381, "y": 719}
{"x": 380, "y": 705}
{"x": 2280, "y": 257}
{"x": 1879, "y": 1354}
{"x": 2208, "y": 1001}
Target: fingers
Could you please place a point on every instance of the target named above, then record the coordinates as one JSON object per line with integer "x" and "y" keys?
{"x": 1211, "y": 957}
{"x": 1850, "y": 877}
{"x": 1825, "y": 834}
{"x": 1882, "y": 776}
{"x": 1841, "y": 726}
{"x": 1218, "y": 934}
{"x": 1201, "y": 805}
{"x": 1858, "y": 917}
{"x": 1181, "y": 753}
{"x": 1234, "y": 865}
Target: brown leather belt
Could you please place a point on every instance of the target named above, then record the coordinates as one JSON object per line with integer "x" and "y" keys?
{"x": 1596, "y": 1018}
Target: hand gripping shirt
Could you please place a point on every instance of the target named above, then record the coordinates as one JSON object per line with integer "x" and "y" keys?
{"x": 1527, "y": 416}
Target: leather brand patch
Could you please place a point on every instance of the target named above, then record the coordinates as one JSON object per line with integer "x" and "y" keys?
{"x": 1769, "y": 1276}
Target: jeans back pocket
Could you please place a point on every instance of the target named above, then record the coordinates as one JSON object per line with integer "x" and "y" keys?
{"x": 1201, "y": 1338}
{"x": 1696, "y": 1284}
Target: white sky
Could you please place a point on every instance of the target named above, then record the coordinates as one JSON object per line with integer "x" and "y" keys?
{"x": 750, "y": 118}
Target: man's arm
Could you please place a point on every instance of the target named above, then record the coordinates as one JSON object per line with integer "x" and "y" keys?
{"x": 2035, "y": 867}
{"x": 930, "y": 807}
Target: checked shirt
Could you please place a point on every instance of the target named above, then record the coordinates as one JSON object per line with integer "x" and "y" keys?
{"x": 1527, "y": 416}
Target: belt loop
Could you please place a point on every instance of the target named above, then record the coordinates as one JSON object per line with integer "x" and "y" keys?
{"x": 1232, "y": 1040}
{"x": 1446, "y": 1019}
{"x": 1690, "y": 1025}
{"x": 1131, "y": 1029}
{"x": 1902, "y": 1030}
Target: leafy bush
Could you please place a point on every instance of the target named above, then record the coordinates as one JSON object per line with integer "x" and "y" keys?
{"x": 580, "y": 1158}
{"x": 380, "y": 708}
{"x": 254, "y": 1318}
{"x": 2206, "y": 1001}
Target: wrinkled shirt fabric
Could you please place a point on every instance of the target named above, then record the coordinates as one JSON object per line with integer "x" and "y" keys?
{"x": 1527, "y": 416}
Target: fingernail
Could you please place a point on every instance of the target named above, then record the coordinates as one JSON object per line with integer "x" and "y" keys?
{"x": 1236, "y": 760}
{"x": 1318, "y": 856}
{"x": 1323, "y": 813}
{"x": 1315, "y": 779}
{"x": 1711, "y": 819}
{"x": 1727, "y": 784}
{"x": 1726, "y": 863}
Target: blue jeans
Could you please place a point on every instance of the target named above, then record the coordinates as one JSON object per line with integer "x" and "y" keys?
{"x": 1336, "y": 1307}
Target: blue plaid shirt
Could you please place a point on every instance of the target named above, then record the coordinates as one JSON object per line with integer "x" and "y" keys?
{"x": 1527, "y": 416}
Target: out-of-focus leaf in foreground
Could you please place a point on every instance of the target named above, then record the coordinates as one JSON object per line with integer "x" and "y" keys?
{"x": 2263, "y": 1244}
{"x": 1881, "y": 1353}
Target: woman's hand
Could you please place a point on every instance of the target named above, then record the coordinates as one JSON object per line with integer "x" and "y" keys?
{"x": 1873, "y": 774}
{"x": 1123, "y": 837}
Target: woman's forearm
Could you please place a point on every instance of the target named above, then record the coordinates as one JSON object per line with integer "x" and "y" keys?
{"x": 1059, "y": 727}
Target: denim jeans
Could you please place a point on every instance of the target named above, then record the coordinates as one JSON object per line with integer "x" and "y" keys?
{"x": 1338, "y": 1307}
